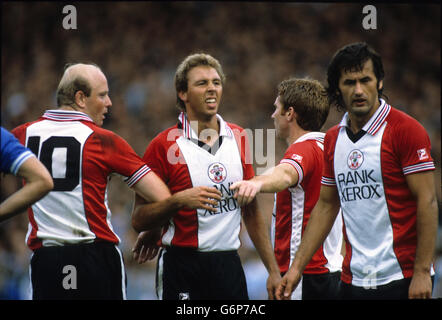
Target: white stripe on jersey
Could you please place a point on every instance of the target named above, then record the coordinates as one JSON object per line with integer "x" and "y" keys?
{"x": 123, "y": 274}
{"x": 216, "y": 232}
{"x": 297, "y": 167}
{"x": 137, "y": 175}
{"x": 328, "y": 181}
{"x": 419, "y": 167}
{"x": 66, "y": 115}
{"x": 159, "y": 275}
{"x": 298, "y": 198}
{"x": 332, "y": 246}
{"x": 367, "y": 221}
{"x": 60, "y": 216}
{"x": 19, "y": 161}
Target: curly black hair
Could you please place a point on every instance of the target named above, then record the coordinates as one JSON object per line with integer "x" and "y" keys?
{"x": 351, "y": 57}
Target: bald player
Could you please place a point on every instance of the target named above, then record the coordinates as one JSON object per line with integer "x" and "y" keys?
{"x": 75, "y": 253}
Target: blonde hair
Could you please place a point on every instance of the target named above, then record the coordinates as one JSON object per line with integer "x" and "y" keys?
{"x": 192, "y": 61}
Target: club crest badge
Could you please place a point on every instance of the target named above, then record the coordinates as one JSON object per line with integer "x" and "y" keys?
{"x": 217, "y": 172}
{"x": 184, "y": 296}
{"x": 422, "y": 154}
{"x": 297, "y": 157}
{"x": 355, "y": 159}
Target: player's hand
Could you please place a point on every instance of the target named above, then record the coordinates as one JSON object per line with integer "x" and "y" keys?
{"x": 245, "y": 191}
{"x": 288, "y": 283}
{"x": 146, "y": 247}
{"x": 420, "y": 286}
{"x": 272, "y": 284}
{"x": 200, "y": 198}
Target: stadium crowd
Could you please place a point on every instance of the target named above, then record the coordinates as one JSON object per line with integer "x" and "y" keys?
{"x": 138, "y": 46}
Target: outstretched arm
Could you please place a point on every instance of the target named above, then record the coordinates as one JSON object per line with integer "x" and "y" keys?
{"x": 38, "y": 184}
{"x": 275, "y": 179}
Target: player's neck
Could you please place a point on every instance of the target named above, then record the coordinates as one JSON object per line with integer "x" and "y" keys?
{"x": 69, "y": 108}
{"x": 357, "y": 122}
{"x": 295, "y": 134}
{"x": 207, "y": 129}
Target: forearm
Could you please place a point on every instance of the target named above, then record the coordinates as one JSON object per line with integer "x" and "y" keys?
{"x": 154, "y": 215}
{"x": 156, "y": 212}
{"x": 279, "y": 178}
{"x": 23, "y": 198}
{"x": 38, "y": 183}
{"x": 259, "y": 234}
{"x": 423, "y": 189}
{"x": 426, "y": 227}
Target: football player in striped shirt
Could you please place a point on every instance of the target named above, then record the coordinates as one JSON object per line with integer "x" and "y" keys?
{"x": 75, "y": 253}
{"x": 301, "y": 108}
{"x": 199, "y": 258}
{"x": 378, "y": 169}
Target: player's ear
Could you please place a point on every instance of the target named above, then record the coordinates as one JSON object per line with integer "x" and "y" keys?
{"x": 290, "y": 113}
{"x": 80, "y": 99}
{"x": 183, "y": 96}
{"x": 380, "y": 84}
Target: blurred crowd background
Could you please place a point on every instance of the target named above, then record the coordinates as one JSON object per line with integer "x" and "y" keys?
{"x": 139, "y": 45}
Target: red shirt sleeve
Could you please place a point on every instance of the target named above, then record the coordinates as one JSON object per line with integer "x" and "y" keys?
{"x": 328, "y": 175}
{"x": 242, "y": 141}
{"x": 156, "y": 157}
{"x": 20, "y": 132}
{"x": 302, "y": 157}
{"x": 118, "y": 155}
{"x": 413, "y": 146}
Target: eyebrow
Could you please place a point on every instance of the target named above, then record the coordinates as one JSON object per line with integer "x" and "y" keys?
{"x": 365, "y": 78}
{"x": 206, "y": 79}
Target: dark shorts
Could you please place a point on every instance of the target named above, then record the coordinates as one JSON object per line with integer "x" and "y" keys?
{"x": 321, "y": 286}
{"x": 395, "y": 290}
{"x": 186, "y": 274}
{"x": 83, "y": 271}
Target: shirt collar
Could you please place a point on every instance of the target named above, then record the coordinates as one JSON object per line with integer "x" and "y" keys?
{"x": 313, "y": 135}
{"x": 66, "y": 115}
{"x": 376, "y": 121}
{"x": 189, "y": 133}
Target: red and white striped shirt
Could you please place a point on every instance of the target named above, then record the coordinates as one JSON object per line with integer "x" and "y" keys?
{"x": 293, "y": 207}
{"x": 80, "y": 157}
{"x": 379, "y": 211}
{"x": 175, "y": 156}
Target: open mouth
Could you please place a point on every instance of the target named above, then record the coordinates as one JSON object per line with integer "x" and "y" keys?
{"x": 359, "y": 102}
{"x": 211, "y": 102}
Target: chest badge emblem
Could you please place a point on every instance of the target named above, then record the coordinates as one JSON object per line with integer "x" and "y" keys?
{"x": 355, "y": 159}
{"x": 217, "y": 172}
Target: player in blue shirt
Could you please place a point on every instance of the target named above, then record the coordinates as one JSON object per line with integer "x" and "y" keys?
{"x": 20, "y": 161}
